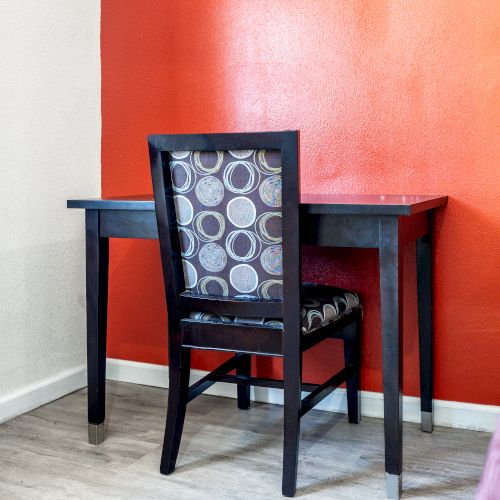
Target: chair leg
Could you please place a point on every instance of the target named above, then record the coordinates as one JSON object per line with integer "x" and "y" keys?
{"x": 244, "y": 368}
{"x": 292, "y": 368}
{"x": 352, "y": 356}
{"x": 177, "y": 402}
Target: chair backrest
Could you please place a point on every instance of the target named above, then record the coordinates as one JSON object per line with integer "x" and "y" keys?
{"x": 227, "y": 212}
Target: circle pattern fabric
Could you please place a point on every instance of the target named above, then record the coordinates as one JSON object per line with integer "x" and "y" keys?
{"x": 241, "y": 211}
{"x": 228, "y": 209}
{"x": 209, "y": 191}
{"x": 212, "y": 257}
{"x": 270, "y": 191}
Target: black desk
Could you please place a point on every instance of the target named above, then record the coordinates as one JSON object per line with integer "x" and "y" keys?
{"x": 359, "y": 221}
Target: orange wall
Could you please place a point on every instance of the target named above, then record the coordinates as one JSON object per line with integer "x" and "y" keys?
{"x": 389, "y": 96}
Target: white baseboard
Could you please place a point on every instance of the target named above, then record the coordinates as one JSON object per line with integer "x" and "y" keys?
{"x": 446, "y": 413}
{"x": 40, "y": 393}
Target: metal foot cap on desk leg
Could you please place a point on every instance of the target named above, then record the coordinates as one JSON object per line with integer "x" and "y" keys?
{"x": 96, "y": 433}
{"x": 427, "y": 421}
{"x": 393, "y": 485}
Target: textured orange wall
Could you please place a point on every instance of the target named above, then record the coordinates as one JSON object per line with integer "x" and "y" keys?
{"x": 389, "y": 96}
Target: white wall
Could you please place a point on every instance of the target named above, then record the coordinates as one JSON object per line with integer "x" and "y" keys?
{"x": 49, "y": 151}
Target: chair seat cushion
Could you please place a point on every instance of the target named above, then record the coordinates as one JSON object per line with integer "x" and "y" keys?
{"x": 321, "y": 306}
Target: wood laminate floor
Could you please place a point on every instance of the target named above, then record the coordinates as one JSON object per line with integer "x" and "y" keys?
{"x": 226, "y": 453}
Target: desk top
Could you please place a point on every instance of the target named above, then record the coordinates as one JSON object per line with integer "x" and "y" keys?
{"x": 348, "y": 204}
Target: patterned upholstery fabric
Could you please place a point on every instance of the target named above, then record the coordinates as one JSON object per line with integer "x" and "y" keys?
{"x": 228, "y": 208}
{"x": 321, "y": 305}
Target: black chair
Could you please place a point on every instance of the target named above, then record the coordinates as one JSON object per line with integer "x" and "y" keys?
{"x": 228, "y": 214}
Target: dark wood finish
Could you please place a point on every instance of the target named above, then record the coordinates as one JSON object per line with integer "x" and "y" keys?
{"x": 97, "y": 258}
{"x": 179, "y": 357}
{"x": 208, "y": 380}
{"x": 231, "y": 306}
{"x": 359, "y": 231}
{"x": 424, "y": 289}
{"x": 391, "y": 317}
{"x": 241, "y": 362}
{"x": 258, "y": 381}
{"x": 244, "y": 369}
{"x": 178, "y": 392}
{"x": 355, "y": 231}
{"x": 185, "y": 334}
{"x": 249, "y": 339}
{"x": 341, "y": 220}
{"x": 135, "y": 202}
{"x": 325, "y": 389}
{"x": 128, "y": 224}
{"x": 292, "y": 354}
{"x": 348, "y": 204}
{"x": 352, "y": 353}
{"x": 370, "y": 204}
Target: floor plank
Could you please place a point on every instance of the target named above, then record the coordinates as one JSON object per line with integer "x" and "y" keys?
{"x": 226, "y": 453}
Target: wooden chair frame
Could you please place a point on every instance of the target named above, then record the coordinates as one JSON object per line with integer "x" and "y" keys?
{"x": 244, "y": 340}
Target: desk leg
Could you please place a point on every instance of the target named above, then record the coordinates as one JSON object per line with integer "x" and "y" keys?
{"x": 97, "y": 257}
{"x": 391, "y": 315}
{"x": 424, "y": 287}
